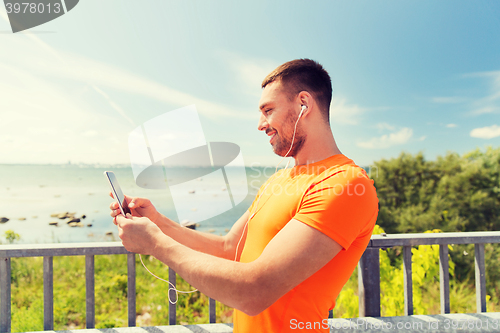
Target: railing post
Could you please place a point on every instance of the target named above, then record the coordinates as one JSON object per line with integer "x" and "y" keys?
{"x": 480, "y": 278}
{"x": 90, "y": 290}
{"x": 211, "y": 310}
{"x": 444, "y": 279}
{"x": 172, "y": 313}
{"x": 408, "y": 285}
{"x": 48, "y": 294}
{"x": 131, "y": 289}
{"x": 5, "y": 295}
{"x": 369, "y": 283}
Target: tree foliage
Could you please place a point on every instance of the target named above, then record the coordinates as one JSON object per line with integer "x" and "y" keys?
{"x": 453, "y": 193}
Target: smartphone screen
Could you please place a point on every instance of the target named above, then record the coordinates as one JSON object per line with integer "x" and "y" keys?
{"x": 117, "y": 192}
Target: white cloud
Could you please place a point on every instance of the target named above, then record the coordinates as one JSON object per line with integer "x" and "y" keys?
{"x": 488, "y": 132}
{"x": 484, "y": 110}
{"x": 422, "y": 138}
{"x": 32, "y": 52}
{"x": 388, "y": 140}
{"x": 343, "y": 113}
{"x": 491, "y": 102}
{"x": 105, "y": 75}
{"x": 41, "y": 120}
{"x": 41, "y": 123}
{"x": 114, "y": 105}
{"x": 385, "y": 126}
{"x": 90, "y": 133}
{"x": 451, "y": 125}
{"x": 250, "y": 72}
{"x": 45, "y": 118}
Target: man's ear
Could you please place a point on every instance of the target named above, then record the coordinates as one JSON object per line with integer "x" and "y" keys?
{"x": 306, "y": 101}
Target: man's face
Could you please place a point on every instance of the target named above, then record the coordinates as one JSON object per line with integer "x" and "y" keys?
{"x": 278, "y": 118}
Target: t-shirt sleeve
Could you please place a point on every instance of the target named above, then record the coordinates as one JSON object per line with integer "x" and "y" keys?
{"x": 341, "y": 206}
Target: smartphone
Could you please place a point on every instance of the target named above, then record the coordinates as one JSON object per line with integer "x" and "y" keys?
{"x": 117, "y": 192}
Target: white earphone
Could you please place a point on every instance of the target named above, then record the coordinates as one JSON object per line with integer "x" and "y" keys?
{"x": 302, "y": 109}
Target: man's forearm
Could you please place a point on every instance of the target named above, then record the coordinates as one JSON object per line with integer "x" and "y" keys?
{"x": 230, "y": 282}
{"x": 203, "y": 242}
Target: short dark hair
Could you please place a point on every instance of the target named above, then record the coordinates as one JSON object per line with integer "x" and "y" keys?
{"x": 304, "y": 75}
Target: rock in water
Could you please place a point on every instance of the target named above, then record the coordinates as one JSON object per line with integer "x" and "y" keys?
{"x": 73, "y": 220}
{"x": 3, "y": 219}
{"x": 54, "y": 223}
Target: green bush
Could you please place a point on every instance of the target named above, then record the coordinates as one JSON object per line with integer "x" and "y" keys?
{"x": 425, "y": 277}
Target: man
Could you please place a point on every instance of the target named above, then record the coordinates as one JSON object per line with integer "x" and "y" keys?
{"x": 286, "y": 259}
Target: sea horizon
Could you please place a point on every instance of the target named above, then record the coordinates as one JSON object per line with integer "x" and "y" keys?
{"x": 31, "y": 194}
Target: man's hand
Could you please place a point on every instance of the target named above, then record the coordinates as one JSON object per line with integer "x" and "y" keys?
{"x": 140, "y": 207}
{"x": 138, "y": 234}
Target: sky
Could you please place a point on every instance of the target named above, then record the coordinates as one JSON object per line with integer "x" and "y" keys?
{"x": 412, "y": 76}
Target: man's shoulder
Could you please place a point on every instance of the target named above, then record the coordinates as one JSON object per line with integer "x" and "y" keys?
{"x": 345, "y": 172}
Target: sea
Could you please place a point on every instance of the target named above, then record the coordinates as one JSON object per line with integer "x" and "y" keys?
{"x": 31, "y": 196}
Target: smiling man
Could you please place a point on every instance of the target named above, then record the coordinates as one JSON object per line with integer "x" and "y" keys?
{"x": 286, "y": 259}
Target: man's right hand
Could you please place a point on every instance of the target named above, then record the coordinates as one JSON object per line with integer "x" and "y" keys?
{"x": 140, "y": 207}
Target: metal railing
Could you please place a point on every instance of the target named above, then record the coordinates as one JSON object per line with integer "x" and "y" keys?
{"x": 368, "y": 273}
{"x": 89, "y": 250}
{"x": 369, "y": 267}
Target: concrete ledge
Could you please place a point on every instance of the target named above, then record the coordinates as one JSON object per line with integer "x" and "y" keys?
{"x": 202, "y": 328}
{"x": 457, "y": 322}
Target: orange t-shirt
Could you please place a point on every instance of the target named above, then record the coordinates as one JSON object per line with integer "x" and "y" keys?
{"x": 334, "y": 196}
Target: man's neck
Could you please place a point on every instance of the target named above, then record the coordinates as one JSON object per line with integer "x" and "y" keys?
{"x": 317, "y": 148}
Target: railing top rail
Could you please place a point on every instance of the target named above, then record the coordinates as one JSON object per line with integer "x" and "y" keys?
{"x": 61, "y": 249}
{"x": 100, "y": 248}
{"x": 474, "y": 237}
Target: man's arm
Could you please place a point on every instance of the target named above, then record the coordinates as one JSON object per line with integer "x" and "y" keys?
{"x": 294, "y": 254}
{"x": 219, "y": 246}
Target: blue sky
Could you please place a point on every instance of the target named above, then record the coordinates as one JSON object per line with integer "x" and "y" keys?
{"x": 407, "y": 76}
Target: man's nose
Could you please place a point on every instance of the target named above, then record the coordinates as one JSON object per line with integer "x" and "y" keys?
{"x": 263, "y": 124}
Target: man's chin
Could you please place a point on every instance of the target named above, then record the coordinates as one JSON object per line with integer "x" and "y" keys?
{"x": 279, "y": 152}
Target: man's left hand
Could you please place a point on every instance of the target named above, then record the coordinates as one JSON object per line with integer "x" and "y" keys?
{"x": 138, "y": 234}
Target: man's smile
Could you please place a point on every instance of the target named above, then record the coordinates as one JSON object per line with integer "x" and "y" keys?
{"x": 272, "y": 134}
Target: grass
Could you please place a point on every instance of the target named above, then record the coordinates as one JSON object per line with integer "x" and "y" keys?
{"x": 111, "y": 294}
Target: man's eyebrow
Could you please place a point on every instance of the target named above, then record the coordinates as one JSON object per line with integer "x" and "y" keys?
{"x": 263, "y": 106}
